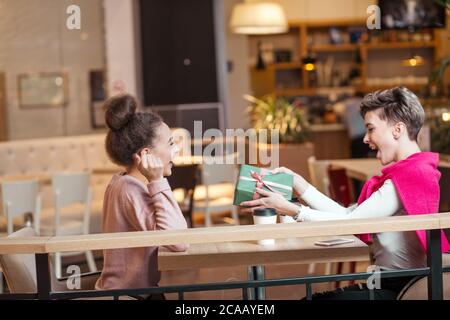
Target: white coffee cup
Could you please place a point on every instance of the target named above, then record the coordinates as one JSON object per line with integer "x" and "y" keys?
{"x": 265, "y": 216}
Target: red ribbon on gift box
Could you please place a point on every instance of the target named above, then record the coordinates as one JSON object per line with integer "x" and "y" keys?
{"x": 260, "y": 183}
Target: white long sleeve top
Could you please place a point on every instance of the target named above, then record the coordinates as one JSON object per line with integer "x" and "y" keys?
{"x": 389, "y": 250}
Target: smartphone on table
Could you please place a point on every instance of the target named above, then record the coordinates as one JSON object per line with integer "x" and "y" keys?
{"x": 333, "y": 242}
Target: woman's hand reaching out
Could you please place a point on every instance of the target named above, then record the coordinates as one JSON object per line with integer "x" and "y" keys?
{"x": 270, "y": 200}
{"x": 149, "y": 166}
{"x": 300, "y": 184}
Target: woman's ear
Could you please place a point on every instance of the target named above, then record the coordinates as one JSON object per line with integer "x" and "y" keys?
{"x": 144, "y": 151}
{"x": 399, "y": 130}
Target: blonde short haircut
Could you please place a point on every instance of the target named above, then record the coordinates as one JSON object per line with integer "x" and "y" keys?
{"x": 396, "y": 105}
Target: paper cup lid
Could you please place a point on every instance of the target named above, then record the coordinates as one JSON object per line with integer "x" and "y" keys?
{"x": 267, "y": 212}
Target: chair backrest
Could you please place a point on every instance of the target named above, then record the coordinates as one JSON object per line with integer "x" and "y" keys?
{"x": 18, "y": 198}
{"x": 339, "y": 186}
{"x": 182, "y": 138}
{"x": 318, "y": 173}
{"x": 70, "y": 188}
{"x": 20, "y": 269}
{"x": 444, "y": 185}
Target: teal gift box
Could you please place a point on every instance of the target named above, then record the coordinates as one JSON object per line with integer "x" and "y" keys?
{"x": 248, "y": 177}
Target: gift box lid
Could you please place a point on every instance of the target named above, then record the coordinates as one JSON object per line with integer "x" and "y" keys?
{"x": 280, "y": 183}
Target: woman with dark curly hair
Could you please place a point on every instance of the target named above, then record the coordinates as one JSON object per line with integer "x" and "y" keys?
{"x": 140, "y": 198}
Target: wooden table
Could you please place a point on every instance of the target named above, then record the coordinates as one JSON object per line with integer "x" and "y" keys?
{"x": 254, "y": 256}
{"x": 360, "y": 169}
{"x": 44, "y": 179}
{"x": 364, "y": 169}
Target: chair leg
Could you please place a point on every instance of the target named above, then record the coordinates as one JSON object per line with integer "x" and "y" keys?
{"x": 57, "y": 263}
{"x": 352, "y": 270}
{"x": 328, "y": 268}
{"x": 311, "y": 268}
{"x": 340, "y": 266}
{"x": 207, "y": 219}
{"x": 1, "y": 282}
{"x": 91, "y": 261}
{"x": 190, "y": 221}
{"x": 235, "y": 215}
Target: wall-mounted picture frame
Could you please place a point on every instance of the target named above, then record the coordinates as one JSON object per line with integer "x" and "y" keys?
{"x": 42, "y": 90}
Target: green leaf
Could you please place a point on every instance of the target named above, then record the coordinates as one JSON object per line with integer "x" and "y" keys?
{"x": 270, "y": 112}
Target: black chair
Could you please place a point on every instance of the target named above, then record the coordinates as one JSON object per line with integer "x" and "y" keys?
{"x": 340, "y": 188}
{"x": 444, "y": 186}
{"x": 185, "y": 177}
{"x": 341, "y": 192}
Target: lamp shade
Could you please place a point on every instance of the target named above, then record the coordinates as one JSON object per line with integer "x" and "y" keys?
{"x": 258, "y": 18}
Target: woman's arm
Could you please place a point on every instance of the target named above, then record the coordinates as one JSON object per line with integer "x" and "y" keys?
{"x": 156, "y": 209}
{"x": 307, "y": 192}
{"x": 382, "y": 203}
{"x": 299, "y": 184}
{"x": 168, "y": 215}
{"x": 317, "y": 200}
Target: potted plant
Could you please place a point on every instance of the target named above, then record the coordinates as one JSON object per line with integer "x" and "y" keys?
{"x": 272, "y": 113}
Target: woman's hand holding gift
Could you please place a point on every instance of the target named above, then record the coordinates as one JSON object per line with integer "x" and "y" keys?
{"x": 149, "y": 166}
{"x": 300, "y": 184}
{"x": 270, "y": 200}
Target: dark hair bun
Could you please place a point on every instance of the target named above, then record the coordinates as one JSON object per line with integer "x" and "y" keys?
{"x": 119, "y": 111}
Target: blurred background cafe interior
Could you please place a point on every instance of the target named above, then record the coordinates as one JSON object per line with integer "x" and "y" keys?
{"x": 300, "y": 66}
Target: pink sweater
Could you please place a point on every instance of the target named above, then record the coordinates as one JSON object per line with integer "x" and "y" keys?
{"x": 130, "y": 205}
{"x": 416, "y": 181}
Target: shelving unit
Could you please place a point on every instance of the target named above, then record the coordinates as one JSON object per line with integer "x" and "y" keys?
{"x": 286, "y": 65}
{"x": 313, "y": 91}
{"x": 313, "y": 37}
{"x": 399, "y": 45}
{"x": 334, "y": 47}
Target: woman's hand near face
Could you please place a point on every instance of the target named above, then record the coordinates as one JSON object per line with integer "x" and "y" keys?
{"x": 300, "y": 184}
{"x": 149, "y": 166}
{"x": 270, "y": 200}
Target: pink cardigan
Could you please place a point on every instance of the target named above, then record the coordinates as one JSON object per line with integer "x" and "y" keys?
{"x": 416, "y": 181}
{"x": 130, "y": 205}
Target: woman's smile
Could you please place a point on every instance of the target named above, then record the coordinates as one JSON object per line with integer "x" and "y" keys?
{"x": 374, "y": 147}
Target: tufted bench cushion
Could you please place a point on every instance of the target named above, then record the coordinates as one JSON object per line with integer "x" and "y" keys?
{"x": 51, "y": 155}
